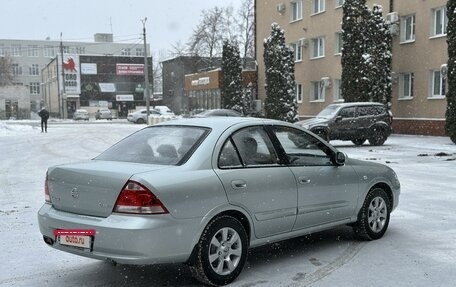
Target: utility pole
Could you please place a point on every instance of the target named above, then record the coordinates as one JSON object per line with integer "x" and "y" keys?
{"x": 146, "y": 71}
{"x": 63, "y": 79}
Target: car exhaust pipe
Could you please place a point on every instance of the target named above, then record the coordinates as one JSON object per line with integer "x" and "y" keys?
{"x": 48, "y": 240}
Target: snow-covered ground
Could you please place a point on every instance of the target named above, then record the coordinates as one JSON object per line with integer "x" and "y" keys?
{"x": 419, "y": 248}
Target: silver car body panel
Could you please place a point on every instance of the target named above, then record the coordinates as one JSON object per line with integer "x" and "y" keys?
{"x": 197, "y": 191}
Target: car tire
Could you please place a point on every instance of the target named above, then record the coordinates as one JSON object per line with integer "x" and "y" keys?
{"x": 140, "y": 121}
{"x": 378, "y": 136}
{"x": 358, "y": 141}
{"x": 374, "y": 216}
{"x": 221, "y": 252}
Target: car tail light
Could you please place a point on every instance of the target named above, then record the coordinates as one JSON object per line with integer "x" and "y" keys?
{"x": 135, "y": 198}
{"x": 47, "y": 196}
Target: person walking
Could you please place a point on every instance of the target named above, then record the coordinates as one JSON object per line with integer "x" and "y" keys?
{"x": 44, "y": 115}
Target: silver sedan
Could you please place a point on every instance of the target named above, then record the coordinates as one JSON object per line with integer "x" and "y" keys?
{"x": 203, "y": 191}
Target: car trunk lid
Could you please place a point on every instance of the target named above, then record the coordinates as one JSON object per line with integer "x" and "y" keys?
{"x": 91, "y": 188}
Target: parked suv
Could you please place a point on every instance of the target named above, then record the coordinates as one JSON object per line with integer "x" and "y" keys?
{"x": 356, "y": 122}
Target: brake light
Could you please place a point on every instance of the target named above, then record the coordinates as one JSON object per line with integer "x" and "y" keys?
{"x": 47, "y": 196}
{"x": 135, "y": 198}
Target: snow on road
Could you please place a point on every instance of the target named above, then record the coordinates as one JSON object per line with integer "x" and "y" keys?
{"x": 419, "y": 248}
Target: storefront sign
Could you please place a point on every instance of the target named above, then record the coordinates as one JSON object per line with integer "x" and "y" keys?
{"x": 107, "y": 87}
{"x": 201, "y": 81}
{"x": 124, "y": 98}
{"x": 72, "y": 75}
{"x": 129, "y": 69}
{"x": 89, "y": 68}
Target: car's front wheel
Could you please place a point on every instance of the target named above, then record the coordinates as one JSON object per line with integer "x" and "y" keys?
{"x": 374, "y": 216}
{"x": 221, "y": 251}
{"x": 140, "y": 121}
{"x": 378, "y": 136}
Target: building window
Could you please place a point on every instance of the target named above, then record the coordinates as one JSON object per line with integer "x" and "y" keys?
{"x": 406, "y": 85}
{"x": 66, "y": 49}
{"x": 16, "y": 50}
{"x": 317, "y": 91}
{"x": 296, "y": 10}
{"x": 34, "y": 88}
{"x": 318, "y": 47}
{"x": 299, "y": 92}
{"x": 139, "y": 52}
{"x": 408, "y": 28}
{"x": 318, "y": 6}
{"x": 339, "y": 3}
{"x": 17, "y": 69}
{"x": 125, "y": 52}
{"x": 32, "y": 51}
{"x": 337, "y": 90}
{"x": 49, "y": 51}
{"x": 34, "y": 70}
{"x": 80, "y": 50}
{"x": 297, "y": 50}
{"x": 438, "y": 85}
{"x": 439, "y": 21}
{"x": 339, "y": 43}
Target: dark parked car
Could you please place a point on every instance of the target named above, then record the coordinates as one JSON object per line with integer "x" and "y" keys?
{"x": 356, "y": 122}
{"x": 204, "y": 192}
{"x": 218, "y": 113}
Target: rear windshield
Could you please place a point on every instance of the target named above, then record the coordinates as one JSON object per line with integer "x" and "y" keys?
{"x": 165, "y": 145}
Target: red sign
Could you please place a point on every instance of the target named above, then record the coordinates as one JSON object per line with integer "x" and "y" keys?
{"x": 130, "y": 69}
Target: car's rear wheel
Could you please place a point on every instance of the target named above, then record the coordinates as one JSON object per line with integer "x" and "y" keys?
{"x": 358, "y": 141}
{"x": 221, "y": 252}
{"x": 140, "y": 121}
{"x": 374, "y": 216}
{"x": 378, "y": 136}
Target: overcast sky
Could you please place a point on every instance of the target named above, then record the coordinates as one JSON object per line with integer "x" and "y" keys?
{"x": 167, "y": 21}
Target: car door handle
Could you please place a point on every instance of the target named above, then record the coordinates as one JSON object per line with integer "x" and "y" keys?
{"x": 303, "y": 180}
{"x": 238, "y": 184}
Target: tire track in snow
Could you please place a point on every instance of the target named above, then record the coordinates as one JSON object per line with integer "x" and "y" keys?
{"x": 341, "y": 260}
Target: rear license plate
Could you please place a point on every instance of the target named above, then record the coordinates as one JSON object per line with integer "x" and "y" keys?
{"x": 75, "y": 237}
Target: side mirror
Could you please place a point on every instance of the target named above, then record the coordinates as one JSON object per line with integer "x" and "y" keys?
{"x": 339, "y": 158}
{"x": 338, "y": 118}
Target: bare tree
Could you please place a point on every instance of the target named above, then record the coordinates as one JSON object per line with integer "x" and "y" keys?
{"x": 218, "y": 24}
{"x": 6, "y": 71}
{"x": 246, "y": 26}
{"x": 207, "y": 38}
{"x": 177, "y": 49}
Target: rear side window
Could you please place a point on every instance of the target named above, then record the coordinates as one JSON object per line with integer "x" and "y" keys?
{"x": 165, "y": 145}
{"x": 365, "y": 111}
{"x": 248, "y": 147}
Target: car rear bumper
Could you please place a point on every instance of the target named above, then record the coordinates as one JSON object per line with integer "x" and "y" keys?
{"x": 126, "y": 239}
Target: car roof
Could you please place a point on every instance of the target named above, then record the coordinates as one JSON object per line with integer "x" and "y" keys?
{"x": 220, "y": 122}
{"x": 357, "y": 104}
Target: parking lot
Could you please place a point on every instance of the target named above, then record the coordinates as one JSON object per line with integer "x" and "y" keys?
{"x": 418, "y": 249}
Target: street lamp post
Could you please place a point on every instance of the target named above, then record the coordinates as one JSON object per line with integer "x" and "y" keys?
{"x": 146, "y": 71}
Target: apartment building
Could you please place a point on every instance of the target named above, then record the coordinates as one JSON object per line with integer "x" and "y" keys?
{"x": 313, "y": 32}
{"x": 29, "y": 57}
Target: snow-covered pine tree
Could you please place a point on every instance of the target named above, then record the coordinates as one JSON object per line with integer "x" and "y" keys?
{"x": 378, "y": 45}
{"x": 450, "y": 125}
{"x": 353, "y": 64}
{"x": 231, "y": 91}
{"x": 366, "y": 53}
{"x": 280, "y": 87}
